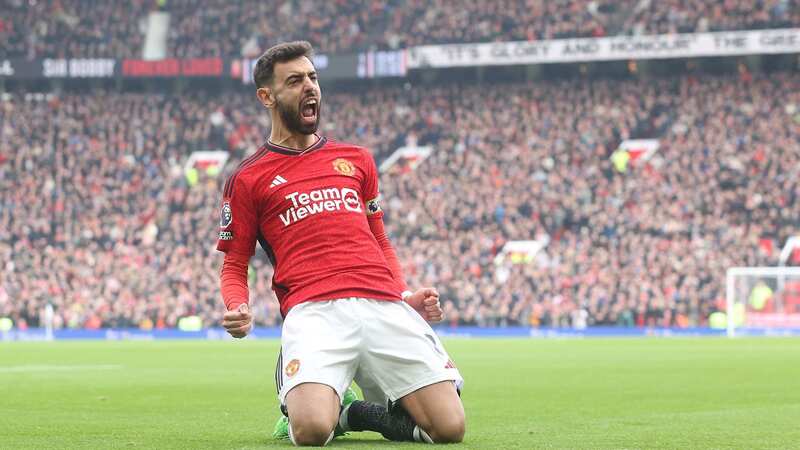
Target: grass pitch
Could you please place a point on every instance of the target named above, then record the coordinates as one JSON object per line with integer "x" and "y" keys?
{"x": 610, "y": 393}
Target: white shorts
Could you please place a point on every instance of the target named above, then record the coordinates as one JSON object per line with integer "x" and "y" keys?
{"x": 385, "y": 346}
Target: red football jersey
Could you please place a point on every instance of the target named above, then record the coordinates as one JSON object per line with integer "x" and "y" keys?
{"x": 309, "y": 212}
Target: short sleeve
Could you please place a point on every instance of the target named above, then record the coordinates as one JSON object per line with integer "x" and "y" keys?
{"x": 238, "y": 219}
{"x": 370, "y": 187}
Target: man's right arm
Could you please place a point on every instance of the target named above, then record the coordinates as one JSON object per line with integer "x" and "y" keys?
{"x": 233, "y": 281}
{"x": 237, "y": 239}
{"x": 237, "y": 320}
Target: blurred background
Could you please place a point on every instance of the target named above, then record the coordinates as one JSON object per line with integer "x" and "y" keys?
{"x": 545, "y": 164}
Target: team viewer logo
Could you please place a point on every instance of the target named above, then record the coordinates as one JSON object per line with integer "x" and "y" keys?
{"x": 317, "y": 201}
{"x": 344, "y": 167}
{"x": 292, "y": 368}
{"x": 226, "y": 215}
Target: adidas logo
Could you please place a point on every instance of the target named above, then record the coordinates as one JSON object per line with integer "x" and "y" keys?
{"x": 278, "y": 180}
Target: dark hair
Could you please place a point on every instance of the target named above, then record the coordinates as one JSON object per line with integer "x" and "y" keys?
{"x": 287, "y": 51}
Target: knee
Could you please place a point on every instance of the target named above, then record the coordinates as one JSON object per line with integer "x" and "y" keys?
{"x": 449, "y": 430}
{"x": 311, "y": 431}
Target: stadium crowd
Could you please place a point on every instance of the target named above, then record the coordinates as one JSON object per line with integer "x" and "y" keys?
{"x": 688, "y": 16}
{"x": 94, "y": 28}
{"x": 98, "y": 217}
{"x": 72, "y": 28}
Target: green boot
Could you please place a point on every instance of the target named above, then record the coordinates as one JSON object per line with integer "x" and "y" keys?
{"x": 281, "y": 429}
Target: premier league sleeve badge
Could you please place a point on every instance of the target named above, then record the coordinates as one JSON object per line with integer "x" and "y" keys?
{"x": 225, "y": 216}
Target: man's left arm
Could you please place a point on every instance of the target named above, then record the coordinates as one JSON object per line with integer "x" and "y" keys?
{"x": 426, "y": 300}
{"x": 379, "y": 231}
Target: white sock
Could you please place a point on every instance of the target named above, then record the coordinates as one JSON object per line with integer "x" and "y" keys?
{"x": 421, "y": 436}
{"x": 330, "y": 438}
{"x": 343, "y": 418}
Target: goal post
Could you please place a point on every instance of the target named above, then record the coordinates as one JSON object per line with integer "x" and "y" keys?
{"x": 763, "y": 300}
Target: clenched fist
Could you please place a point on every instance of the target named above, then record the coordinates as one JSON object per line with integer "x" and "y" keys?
{"x": 426, "y": 302}
{"x": 238, "y": 322}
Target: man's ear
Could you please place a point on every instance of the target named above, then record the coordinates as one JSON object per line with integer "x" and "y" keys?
{"x": 265, "y": 96}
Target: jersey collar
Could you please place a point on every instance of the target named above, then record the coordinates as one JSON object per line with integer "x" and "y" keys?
{"x": 293, "y": 151}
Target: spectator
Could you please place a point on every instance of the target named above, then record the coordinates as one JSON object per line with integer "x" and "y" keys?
{"x": 96, "y": 216}
{"x": 231, "y": 29}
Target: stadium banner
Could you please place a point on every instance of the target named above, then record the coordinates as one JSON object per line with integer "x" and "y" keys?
{"x": 382, "y": 64}
{"x": 79, "y": 68}
{"x": 58, "y": 68}
{"x": 111, "y": 68}
{"x": 330, "y": 67}
{"x": 170, "y": 68}
{"x": 405, "y": 159}
{"x": 135, "y": 334}
{"x": 690, "y": 45}
{"x": 521, "y": 252}
{"x": 20, "y": 68}
{"x": 339, "y": 67}
{"x": 208, "y": 160}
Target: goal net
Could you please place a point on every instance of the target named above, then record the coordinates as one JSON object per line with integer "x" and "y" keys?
{"x": 763, "y": 300}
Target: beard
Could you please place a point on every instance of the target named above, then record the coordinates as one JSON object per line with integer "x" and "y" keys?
{"x": 292, "y": 120}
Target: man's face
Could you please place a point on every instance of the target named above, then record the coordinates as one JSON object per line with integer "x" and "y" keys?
{"x": 297, "y": 95}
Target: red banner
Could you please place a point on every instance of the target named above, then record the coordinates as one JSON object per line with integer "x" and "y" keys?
{"x": 198, "y": 67}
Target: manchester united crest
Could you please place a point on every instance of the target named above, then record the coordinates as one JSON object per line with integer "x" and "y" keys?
{"x": 292, "y": 368}
{"x": 344, "y": 167}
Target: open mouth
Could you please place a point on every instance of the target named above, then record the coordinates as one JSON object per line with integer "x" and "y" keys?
{"x": 308, "y": 110}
